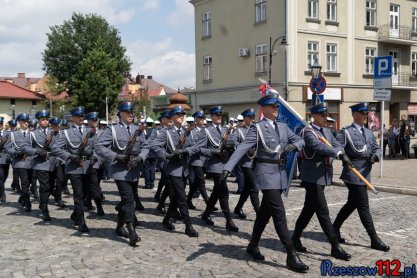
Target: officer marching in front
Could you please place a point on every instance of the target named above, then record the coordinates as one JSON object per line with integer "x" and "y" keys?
{"x": 363, "y": 150}
{"x": 15, "y": 146}
{"x": 317, "y": 172}
{"x": 4, "y": 161}
{"x": 120, "y": 145}
{"x": 175, "y": 144}
{"x": 75, "y": 147}
{"x": 43, "y": 161}
{"x": 246, "y": 163}
{"x": 217, "y": 155}
{"x": 274, "y": 141}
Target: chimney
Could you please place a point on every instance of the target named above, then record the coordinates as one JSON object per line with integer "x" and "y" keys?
{"x": 20, "y": 75}
{"x": 142, "y": 76}
{"x": 149, "y": 77}
{"x": 139, "y": 79}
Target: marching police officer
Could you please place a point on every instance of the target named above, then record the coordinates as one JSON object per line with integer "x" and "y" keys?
{"x": 149, "y": 165}
{"x": 33, "y": 180}
{"x": 15, "y": 183}
{"x": 249, "y": 188}
{"x": 4, "y": 161}
{"x": 120, "y": 145}
{"x": 75, "y": 147}
{"x": 317, "y": 172}
{"x": 196, "y": 162}
{"x": 43, "y": 161}
{"x": 363, "y": 150}
{"x": 273, "y": 140}
{"x": 217, "y": 156}
{"x": 16, "y": 148}
{"x": 175, "y": 144}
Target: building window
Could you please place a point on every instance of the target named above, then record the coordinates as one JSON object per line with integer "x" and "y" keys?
{"x": 313, "y": 9}
{"x": 414, "y": 23}
{"x": 331, "y": 10}
{"x": 369, "y": 59}
{"x": 331, "y": 57}
{"x": 260, "y": 11}
{"x": 312, "y": 53}
{"x": 261, "y": 58}
{"x": 371, "y": 13}
{"x": 206, "y": 24}
{"x": 414, "y": 63}
{"x": 207, "y": 68}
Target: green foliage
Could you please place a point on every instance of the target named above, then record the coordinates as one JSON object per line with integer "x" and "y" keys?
{"x": 85, "y": 55}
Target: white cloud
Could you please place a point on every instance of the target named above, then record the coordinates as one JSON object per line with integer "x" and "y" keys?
{"x": 148, "y": 5}
{"x": 174, "y": 69}
{"x": 184, "y": 12}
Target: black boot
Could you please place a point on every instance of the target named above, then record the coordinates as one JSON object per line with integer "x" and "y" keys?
{"x": 65, "y": 190}
{"x": 120, "y": 230}
{"x": 161, "y": 209}
{"x": 377, "y": 244}
{"x": 28, "y": 204}
{"x": 135, "y": 221}
{"x": 340, "y": 239}
{"x": 167, "y": 224}
{"x": 338, "y": 252}
{"x": 206, "y": 217}
{"x": 229, "y": 223}
{"x": 45, "y": 212}
{"x": 139, "y": 205}
{"x": 34, "y": 190}
{"x": 59, "y": 203}
{"x": 254, "y": 251}
{"x": 133, "y": 236}
{"x": 190, "y": 204}
{"x": 298, "y": 245}
{"x": 3, "y": 198}
{"x": 240, "y": 213}
{"x": 293, "y": 261}
{"x": 99, "y": 205}
{"x": 82, "y": 228}
{"x": 189, "y": 230}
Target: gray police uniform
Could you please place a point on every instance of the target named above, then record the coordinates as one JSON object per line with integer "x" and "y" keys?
{"x": 316, "y": 172}
{"x": 149, "y": 165}
{"x": 358, "y": 146}
{"x": 79, "y": 173}
{"x": 270, "y": 174}
{"x": 112, "y": 142}
{"x": 4, "y": 163}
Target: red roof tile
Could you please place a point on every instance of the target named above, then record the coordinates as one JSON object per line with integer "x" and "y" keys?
{"x": 9, "y": 90}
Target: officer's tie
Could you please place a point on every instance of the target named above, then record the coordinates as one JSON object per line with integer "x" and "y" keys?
{"x": 218, "y": 129}
{"x": 128, "y": 130}
{"x": 24, "y": 133}
{"x": 276, "y": 128}
{"x": 80, "y": 128}
{"x": 363, "y": 133}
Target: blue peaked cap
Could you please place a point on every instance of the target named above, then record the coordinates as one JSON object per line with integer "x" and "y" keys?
{"x": 176, "y": 110}
{"x": 1, "y": 120}
{"x": 54, "y": 121}
{"x": 64, "y": 122}
{"x": 319, "y": 108}
{"x": 164, "y": 114}
{"x": 78, "y": 111}
{"x": 268, "y": 100}
{"x": 359, "y": 107}
{"x": 199, "y": 114}
{"x": 248, "y": 113}
{"x": 32, "y": 122}
{"x": 126, "y": 106}
{"x": 215, "y": 110}
{"x": 92, "y": 116}
{"x": 22, "y": 117}
{"x": 42, "y": 114}
{"x": 12, "y": 123}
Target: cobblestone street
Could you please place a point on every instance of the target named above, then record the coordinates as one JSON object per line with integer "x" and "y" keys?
{"x": 30, "y": 247}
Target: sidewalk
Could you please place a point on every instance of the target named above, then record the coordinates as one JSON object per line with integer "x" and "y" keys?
{"x": 398, "y": 176}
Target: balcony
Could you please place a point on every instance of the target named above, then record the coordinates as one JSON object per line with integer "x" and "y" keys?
{"x": 403, "y": 35}
{"x": 404, "y": 80}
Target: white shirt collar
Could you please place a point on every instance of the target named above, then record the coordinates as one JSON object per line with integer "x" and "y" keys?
{"x": 316, "y": 126}
{"x": 271, "y": 122}
{"x": 358, "y": 127}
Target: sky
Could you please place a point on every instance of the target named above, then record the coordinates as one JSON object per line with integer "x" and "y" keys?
{"x": 158, "y": 35}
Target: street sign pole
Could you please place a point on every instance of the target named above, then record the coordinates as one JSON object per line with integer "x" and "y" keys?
{"x": 382, "y": 137}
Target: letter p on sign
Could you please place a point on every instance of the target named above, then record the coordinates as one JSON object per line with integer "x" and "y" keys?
{"x": 383, "y": 67}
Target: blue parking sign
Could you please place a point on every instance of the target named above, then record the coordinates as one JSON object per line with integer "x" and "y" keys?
{"x": 383, "y": 67}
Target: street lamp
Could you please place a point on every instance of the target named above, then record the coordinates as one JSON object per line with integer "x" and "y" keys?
{"x": 13, "y": 108}
{"x": 284, "y": 45}
{"x": 316, "y": 70}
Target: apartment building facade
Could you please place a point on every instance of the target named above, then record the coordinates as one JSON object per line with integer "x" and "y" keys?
{"x": 233, "y": 50}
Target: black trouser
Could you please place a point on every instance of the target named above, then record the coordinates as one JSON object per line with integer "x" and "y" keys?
{"x": 198, "y": 183}
{"x": 271, "y": 205}
{"x": 315, "y": 202}
{"x": 126, "y": 207}
{"x": 77, "y": 188}
{"x": 6, "y": 168}
{"x": 404, "y": 145}
{"x": 46, "y": 180}
{"x": 100, "y": 176}
{"x": 61, "y": 179}
{"x": 357, "y": 199}
{"x": 3, "y": 177}
{"x": 385, "y": 143}
{"x": 177, "y": 197}
{"x": 220, "y": 193}
{"x": 163, "y": 183}
{"x": 90, "y": 186}
{"x": 149, "y": 167}
{"x": 16, "y": 181}
{"x": 32, "y": 180}
{"x": 249, "y": 189}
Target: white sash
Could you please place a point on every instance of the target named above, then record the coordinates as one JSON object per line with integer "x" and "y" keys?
{"x": 115, "y": 142}
{"x": 71, "y": 144}
{"x": 349, "y": 139}
{"x": 211, "y": 138}
{"x": 267, "y": 149}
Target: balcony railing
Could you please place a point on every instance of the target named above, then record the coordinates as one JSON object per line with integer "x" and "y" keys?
{"x": 385, "y": 32}
{"x": 405, "y": 79}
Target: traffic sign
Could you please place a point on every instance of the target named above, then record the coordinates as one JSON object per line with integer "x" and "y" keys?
{"x": 316, "y": 99}
{"x": 383, "y": 67}
{"x": 383, "y": 83}
{"x": 382, "y": 94}
{"x": 318, "y": 85}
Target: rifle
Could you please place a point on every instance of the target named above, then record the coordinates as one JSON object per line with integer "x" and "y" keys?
{"x": 3, "y": 142}
{"x": 224, "y": 138}
{"x": 183, "y": 139}
{"x": 132, "y": 140}
{"x": 47, "y": 143}
{"x": 84, "y": 143}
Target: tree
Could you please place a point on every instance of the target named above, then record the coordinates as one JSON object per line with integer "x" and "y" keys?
{"x": 86, "y": 56}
